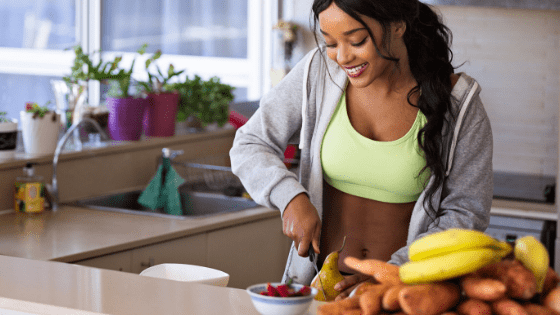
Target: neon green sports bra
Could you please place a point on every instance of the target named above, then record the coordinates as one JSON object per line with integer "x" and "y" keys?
{"x": 386, "y": 171}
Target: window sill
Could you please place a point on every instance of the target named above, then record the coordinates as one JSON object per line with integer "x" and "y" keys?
{"x": 112, "y": 147}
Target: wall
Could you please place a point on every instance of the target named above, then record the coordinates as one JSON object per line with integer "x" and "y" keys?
{"x": 515, "y": 56}
{"x": 514, "y": 4}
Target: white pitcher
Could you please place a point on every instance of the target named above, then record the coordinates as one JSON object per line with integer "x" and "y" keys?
{"x": 40, "y": 134}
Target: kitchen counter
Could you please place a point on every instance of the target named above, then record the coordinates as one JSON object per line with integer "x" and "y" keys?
{"x": 73, "y": 233}
{"x": 522, "y": 209}
{"x": 43, "y": 287}
{"x": 34, "y": 278}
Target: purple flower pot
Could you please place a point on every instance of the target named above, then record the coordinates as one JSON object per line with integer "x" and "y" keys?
{"x": 161, "y": 114}
{"x": 125, "y": 117}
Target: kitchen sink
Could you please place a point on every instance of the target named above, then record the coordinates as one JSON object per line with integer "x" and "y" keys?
{"x": 195, "y": 204}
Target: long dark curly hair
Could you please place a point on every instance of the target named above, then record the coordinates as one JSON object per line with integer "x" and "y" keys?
{"x": 428, "y": 43}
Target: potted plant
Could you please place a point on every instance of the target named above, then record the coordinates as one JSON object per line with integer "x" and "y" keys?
{"x": 40, "y": 127}
{"x": 161, "y": 112}
{"x": 205, "y": 101}
{"x": 8, "y": 136}
{"x": 125, "y": 110}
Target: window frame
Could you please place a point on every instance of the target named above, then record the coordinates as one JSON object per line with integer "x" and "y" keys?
{"x": 251, "y": 72}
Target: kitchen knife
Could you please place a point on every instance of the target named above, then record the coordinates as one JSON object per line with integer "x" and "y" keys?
{"x": 313, "y": 259}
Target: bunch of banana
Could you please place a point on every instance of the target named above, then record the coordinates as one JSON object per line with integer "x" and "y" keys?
{"x": 534, "y": 256}
{"x": 449, "y": 254}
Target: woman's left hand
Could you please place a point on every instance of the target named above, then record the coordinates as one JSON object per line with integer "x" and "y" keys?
{"x": 350, "y": 283}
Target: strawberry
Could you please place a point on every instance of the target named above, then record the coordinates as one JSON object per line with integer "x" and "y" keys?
{"x": 305, "y": 290}
{"x": 283, "y": 290}
{"x": 271, "y": 290}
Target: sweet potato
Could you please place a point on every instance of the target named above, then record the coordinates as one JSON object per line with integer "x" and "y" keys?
{"x": 520, "y": 281}
{"x": 552, "y": 299}
{"x": 363, "y": 287}
{"x": 537, "y": 309}
{"x": 508, "y": 307}
{"x": 339, "y": 307}
{"x": 449, "y": 313}
{"x": 370, "y": 300}
{"x": 380, "y": 270}
{"x": 390, "y": 300}
{"x": 550, "y": 281}
{"x": 354, "y": 311}
{"x": 430, "y": 298}
{"x": 485, "y": 289}
{"x": 474, "y": 307}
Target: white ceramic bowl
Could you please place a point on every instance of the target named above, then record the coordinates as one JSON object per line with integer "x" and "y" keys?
{"x": 270, "y": 305}
{"x": 188, "y": 273}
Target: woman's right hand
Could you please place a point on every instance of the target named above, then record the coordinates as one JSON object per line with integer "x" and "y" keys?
{"x": 302, "y": 224}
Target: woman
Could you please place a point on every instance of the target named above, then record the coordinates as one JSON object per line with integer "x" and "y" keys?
{"x": 358, "y": 106}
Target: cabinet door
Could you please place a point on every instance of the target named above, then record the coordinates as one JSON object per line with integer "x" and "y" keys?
{"x": 250, "y": 253}
{"x": 121, "y": 261}
{"x": 186, "y": 250}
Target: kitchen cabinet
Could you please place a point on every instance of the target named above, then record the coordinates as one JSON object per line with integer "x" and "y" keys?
{"x": 186, "y": 250}
{"x": 121, "y": 261}
{"x": 250, "y": 253}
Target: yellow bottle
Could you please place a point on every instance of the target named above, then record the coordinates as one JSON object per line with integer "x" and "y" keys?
{"x": 29, "y": 194}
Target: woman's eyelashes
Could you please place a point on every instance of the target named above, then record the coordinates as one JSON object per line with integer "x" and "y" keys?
{"x": 360, "y": 43}
{"x": 353, "y": 44}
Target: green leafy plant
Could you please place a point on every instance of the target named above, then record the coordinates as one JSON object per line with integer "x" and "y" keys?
{"x": 206, "y": 100}
{"x": 84, "y": 69}
{"x": 158, "y": 82}
{"x": 3, "y": 117}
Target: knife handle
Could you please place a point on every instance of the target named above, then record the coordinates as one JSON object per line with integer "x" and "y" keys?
{"x": 311, "y": 253}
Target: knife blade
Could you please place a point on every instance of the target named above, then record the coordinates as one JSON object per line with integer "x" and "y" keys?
{"x": 313, "y": 259}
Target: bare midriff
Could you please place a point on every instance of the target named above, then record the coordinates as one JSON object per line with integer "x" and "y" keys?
{"x": 373, "y": 229}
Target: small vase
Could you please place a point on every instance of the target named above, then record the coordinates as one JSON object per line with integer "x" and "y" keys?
{"x": 40, "y": 134}
{"x": 8, "y": 139}
{"x": 125, "y": 118}
{"x": 161, "y": 114}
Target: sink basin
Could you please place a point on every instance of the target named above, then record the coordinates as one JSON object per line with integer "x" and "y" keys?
{"x": 195, "y": 204}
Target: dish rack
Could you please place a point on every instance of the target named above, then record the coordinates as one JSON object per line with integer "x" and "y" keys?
{"x": 210, "y": 172}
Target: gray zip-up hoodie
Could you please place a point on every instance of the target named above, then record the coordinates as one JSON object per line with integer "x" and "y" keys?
{"x": 298, "y": 110}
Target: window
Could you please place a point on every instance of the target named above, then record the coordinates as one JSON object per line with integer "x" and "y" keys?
{"x": 224, "y": 38}
{"x": 34, "y": 34}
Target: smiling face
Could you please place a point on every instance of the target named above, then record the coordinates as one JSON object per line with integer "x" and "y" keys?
{"x": 350, "y": 45}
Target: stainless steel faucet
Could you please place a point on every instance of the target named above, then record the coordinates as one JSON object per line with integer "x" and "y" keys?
{"x": 53, "y": 187}
{"x": 171, "y": 154}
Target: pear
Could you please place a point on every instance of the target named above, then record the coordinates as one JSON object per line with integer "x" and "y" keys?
{"x": 328, "y": 276}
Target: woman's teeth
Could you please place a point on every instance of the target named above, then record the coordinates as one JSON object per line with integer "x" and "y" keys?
{"x": 356, "y": 71}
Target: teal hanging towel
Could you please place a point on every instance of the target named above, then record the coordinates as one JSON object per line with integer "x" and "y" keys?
{"x": 163, "y": 190}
